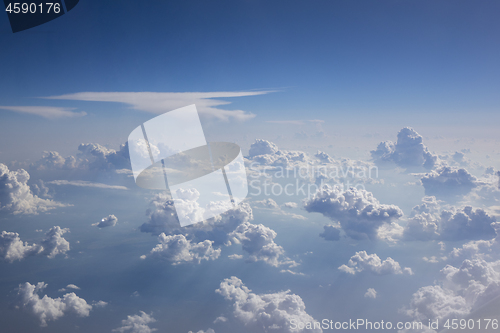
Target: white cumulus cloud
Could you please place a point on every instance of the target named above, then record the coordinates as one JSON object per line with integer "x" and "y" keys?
{"x": 359, "y": 213}
{"x": 47, "y": 308}
{"x": 108, "y": 221}
{"x": 265, "y": 312}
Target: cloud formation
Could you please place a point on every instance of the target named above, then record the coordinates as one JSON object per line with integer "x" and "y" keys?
{"x": 108, "y": 221}
{"x": 177, "y": 249}
{"x": 54, "y": 242}
{"x": 331, "y": 232}
{"x": 16, "y": 196}
{"x": 162, "y": 218}
{"x": 359, "y": 213}
{"x": 408, "y": 151}
{"x": 161, "y": 102}
{"x": 371, "y": 262}
{"x": 463, "y": 289}
{"x": 83, "y": 183}
{"x": 258, "y": 242}
{"x": 265, "y": 312}
{"x": 12, "y": 248}
{"x": 428, "y": 222}
{"x": 138, "y": 323}
{"x": 47, "y": 308}
{"x": 90, "y": 157}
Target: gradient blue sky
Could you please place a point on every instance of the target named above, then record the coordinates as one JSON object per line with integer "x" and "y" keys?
{"x": 356, "y": 56}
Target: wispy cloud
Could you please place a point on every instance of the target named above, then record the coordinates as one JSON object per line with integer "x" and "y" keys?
{"x": 83, "y": 183}
{"x": 50, "y": 112}
{"x": 160, "y": 102}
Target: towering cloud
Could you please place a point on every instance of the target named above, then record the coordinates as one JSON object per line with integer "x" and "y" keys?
{"x": 16, "y": 196}
{"x": 47, "y": 308}
{"x": 408, "y": 151}
{"x": 447, "y": 181}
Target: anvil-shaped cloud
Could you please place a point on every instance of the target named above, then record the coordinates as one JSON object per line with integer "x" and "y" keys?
{"x": 160, "y": 102}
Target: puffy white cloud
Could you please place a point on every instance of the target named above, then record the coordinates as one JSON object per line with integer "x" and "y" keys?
{"x": 49, "y": 112}
{"x": 428, "y": 222}
{"x": 83, "y": 183}
{"x": 371, "y": 293}
{"x": 462, "y": 289}
{"x": 408, "y": 151}
{"x": 267, "y": 203}
{"x": 178, "y": 249}
{"x": 220, "y": 319}
{"x": 323, "y": 157}
{"x": 271, "y": 204}
{"x": 17, "y": 197}
{"x": 331, "y": 232}
{"x": 108, "y": 221}
{"x": 262, "y": 147}
{"x": 446, "y": 181}
{"x": 359, "y": 213}
{"x": 230, "y": 226}
{"x": 162, "y": 218}
{"x": 466, "y": 224}
{"x": 47, "y": 308}
{"x": 274, "y": 312}
{"x": 12, "y": 248}
{"x": 207, "y": 331}
{"x": 69, "y": 286}
{"x": 54, "y": 242}
{"x": 137, "y": 324}
{"x": 258, "y": 242}
{"x": 290, "y": 205}
{"x": 371, "y": 262}
{"x": 267, "y": 153}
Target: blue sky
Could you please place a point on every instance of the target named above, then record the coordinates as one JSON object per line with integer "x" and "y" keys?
{"x": 364, "y": 56}
{"x": 295, "y": 84}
